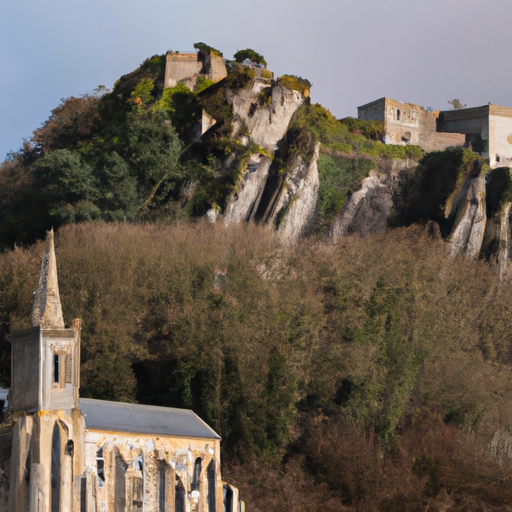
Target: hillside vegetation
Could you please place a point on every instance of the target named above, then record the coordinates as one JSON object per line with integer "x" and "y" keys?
{"x": 344, "y": 372}
{"x": 340, "y": 377}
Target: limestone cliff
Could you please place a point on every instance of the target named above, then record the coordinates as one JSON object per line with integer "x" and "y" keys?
{"x": 469, "y": 227}
{"x": 367, "y": 210}
{"x": 265, "y": 111}
{"x": 297, "y": 200}
{"x": 287, "y": 197}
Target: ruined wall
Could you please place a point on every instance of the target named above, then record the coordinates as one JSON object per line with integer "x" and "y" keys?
{"x": 217, "y": 68}
{"x": 179, "y": 66}
{"x": 44, "y": 460}
{"x": 187, "y": 67}
{"x": 149, "y": 471}
{"x": 407, "y": 123}
{"x": 373, "y": 111}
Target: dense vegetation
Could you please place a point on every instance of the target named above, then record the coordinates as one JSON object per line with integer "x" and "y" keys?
{"x": 340, "y": 377}
{"x": 372, "y": 374}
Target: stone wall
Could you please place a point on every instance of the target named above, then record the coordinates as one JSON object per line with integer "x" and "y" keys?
{"x": 144, "y": 469}
{"x": 407, "y": 123}
{"x": 491, "y": 124}
{"x": 187, "y": 67}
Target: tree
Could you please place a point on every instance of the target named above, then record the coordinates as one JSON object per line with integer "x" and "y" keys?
{"x": 154, "y": 149}
{"x": 250, "y": 55}
{"x": 207, "y": 49}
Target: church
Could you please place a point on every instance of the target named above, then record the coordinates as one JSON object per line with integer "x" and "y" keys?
{"x": 63, "y": 453}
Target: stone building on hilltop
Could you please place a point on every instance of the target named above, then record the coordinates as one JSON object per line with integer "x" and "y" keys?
{"x": 486, "y": 130}
{"x": 63, "y": 453}
{"x": 187, "y": 67}
{"x": 406, "y": 123}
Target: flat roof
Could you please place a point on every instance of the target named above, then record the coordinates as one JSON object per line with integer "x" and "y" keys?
{"x": 476, "y": 112}
{"x": 143, "y": 419}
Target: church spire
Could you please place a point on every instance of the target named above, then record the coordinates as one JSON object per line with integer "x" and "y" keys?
{"x": 47, "y": 310}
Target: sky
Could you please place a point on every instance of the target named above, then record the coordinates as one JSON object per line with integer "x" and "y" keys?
{"x": 353, "y": 51}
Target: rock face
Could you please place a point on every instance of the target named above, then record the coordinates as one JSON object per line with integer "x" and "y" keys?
{"x": 265, "y": 111}
{"x": 367, "y": 210}
{"x": 261, "y": 116}
{"x": 469, "y": 228}
{"x": 296, "y": 203}
{"x": 242, "y": 204}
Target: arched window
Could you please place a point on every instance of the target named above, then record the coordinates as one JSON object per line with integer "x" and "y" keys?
{"x": 100, "y": 467}
{"x": 56, "y": 368}
{"x": 55, "y": 467}
{"x": 179, "y": 495}
{"x": 227, "y": 500}
{"x": 197, "y": 475}
{"x": 120, "y": 483}
{"x": 161, "y": 486}
{"x": 398, "y": 114}
{"x": 212, "y": 480}
{"x": 138, "y": 484}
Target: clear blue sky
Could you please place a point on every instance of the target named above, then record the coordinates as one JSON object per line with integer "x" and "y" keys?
{"x": 353, "y": 51}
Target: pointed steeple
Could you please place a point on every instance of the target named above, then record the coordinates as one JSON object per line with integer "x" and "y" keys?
{"x": 47, "y": 310}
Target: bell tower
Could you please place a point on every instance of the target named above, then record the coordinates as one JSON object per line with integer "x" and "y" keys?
{"x": 45, "y": 362}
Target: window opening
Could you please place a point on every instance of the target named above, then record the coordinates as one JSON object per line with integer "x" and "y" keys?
{"x": 211, "y": 486}
{"x": 227, "y": 498}
{"x": 138, "y": 485}
{"x": 398, "y": 114}
{"x": 56, "y": 369}
{"x": 161, "y": 487}
{"x": 197, "y": 475}
{"x": 100, "y": 467}
{"x": 179, "y": 495}
{"x": 55, "y": 468}
{"x": 120, "y": 484}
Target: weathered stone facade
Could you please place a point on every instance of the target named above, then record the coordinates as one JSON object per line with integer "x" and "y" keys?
{"x": 189, "y": 66}
{"x": 487, "y": 129}
{"x": 61, "y": 453}
{"x": 406, "y": 123}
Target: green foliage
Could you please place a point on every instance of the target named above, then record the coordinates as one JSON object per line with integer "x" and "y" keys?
{"x": 206, "y": 49}
{"x": 142, "y": 94}
{"x": 202, "y": 84}
{"x": 251, "y": 56}
{"x": 373, "y": 130}
{"x": 183, "y": 109}
{"x": 430, "y": 189}
{"x": 65, "y": 181}
{"x": 296, "y": 83}
{"x": 154, "y": 150}
{"x": 498, "y": 190}
{"x": 238, "y": 76}
{"x": 339, "y": 177}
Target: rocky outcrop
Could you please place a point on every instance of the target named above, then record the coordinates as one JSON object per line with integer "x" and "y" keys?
{"x": 265, "y": 111}
{"x": 261, "y": 117}
{"x": 243, "y": 203}
{"x": 504, "y": 251}
{"x": 296, "y": 204}
{"x": 367, "y": 210}
{"x": 469, "y": 228}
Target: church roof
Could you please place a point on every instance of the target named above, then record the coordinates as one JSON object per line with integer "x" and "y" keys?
{"x": 143, "y": 419}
